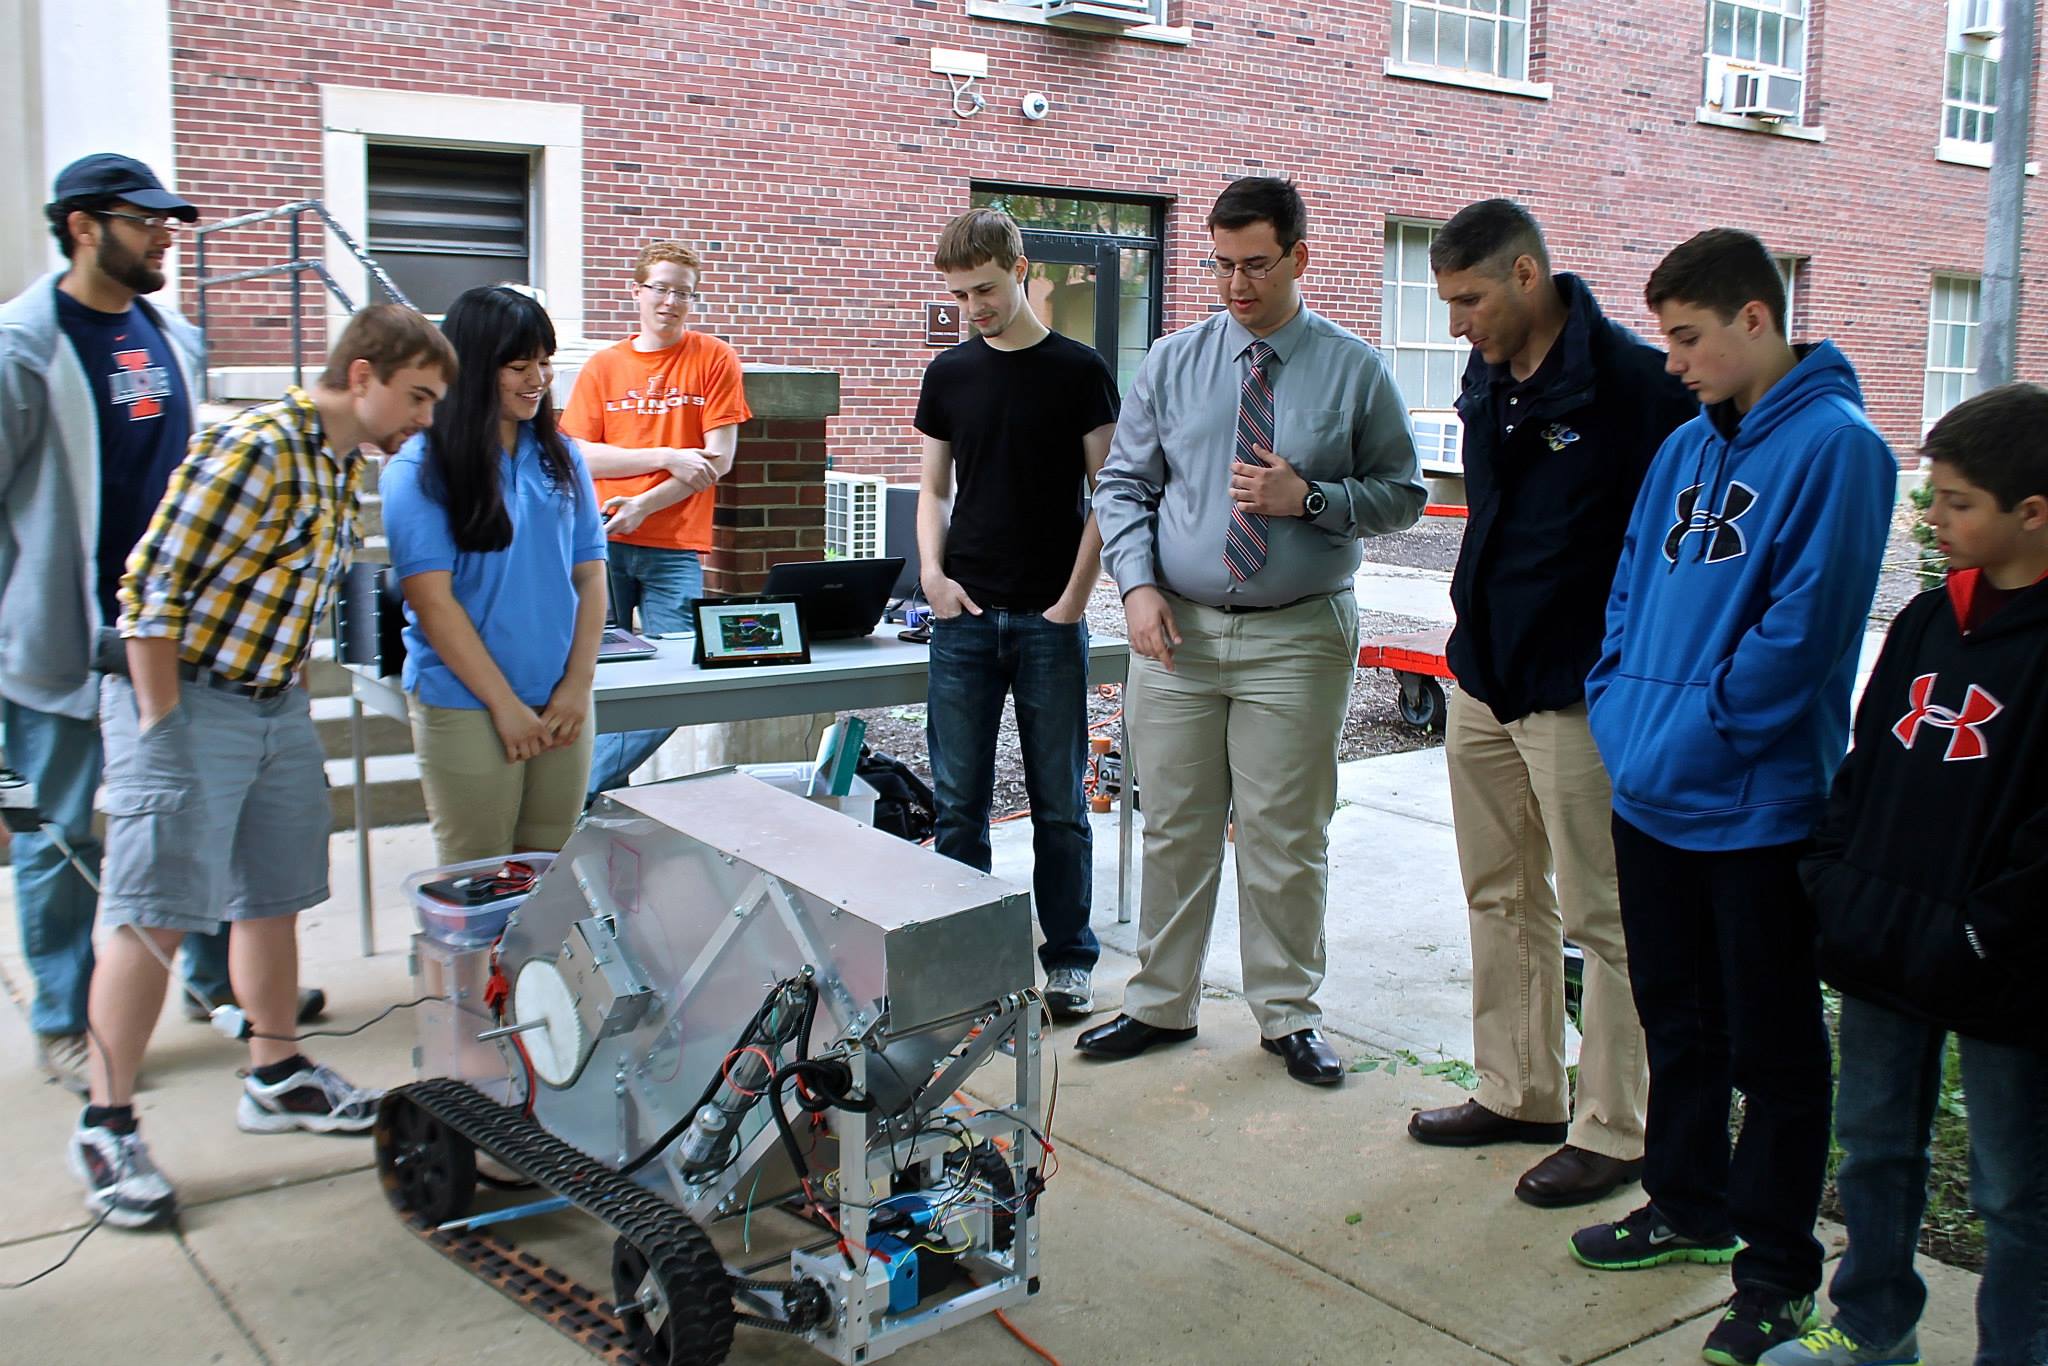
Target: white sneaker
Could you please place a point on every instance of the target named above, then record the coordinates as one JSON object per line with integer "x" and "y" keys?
{"x": 1069, "y": 992}
{"x": 121, "y": 1183}
{"x": 312, "y": 1098}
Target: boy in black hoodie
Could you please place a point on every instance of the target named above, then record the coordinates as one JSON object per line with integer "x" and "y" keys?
{"x": 1929, "y": 878}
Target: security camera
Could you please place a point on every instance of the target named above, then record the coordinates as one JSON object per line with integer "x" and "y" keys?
{"x": 1036, "y": 106}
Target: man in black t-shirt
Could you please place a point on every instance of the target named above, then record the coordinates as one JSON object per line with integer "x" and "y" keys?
{"x": 1018, "y": 419}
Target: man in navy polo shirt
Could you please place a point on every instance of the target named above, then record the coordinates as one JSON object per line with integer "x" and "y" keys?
{"x": 1563, "y": 411}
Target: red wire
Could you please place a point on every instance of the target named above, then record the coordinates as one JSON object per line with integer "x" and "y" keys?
{"x": 1025, "y": 1338}
{"x": 725, "y": 1068}
{"x": 531, "y": 1084}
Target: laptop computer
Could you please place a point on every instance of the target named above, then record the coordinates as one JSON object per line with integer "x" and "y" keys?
{"x": 843, "y": 599}
{"x": 620, "y": 643}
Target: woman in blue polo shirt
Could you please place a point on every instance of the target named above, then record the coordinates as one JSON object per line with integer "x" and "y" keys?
{"x": 497, "y": 544}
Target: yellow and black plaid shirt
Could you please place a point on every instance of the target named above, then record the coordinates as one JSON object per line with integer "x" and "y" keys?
{"x": 244, "y": 551}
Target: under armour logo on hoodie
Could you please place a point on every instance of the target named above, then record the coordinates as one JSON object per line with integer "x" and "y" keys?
{"x": 1724, "y": 538}
{"x": 1967, "y": 742}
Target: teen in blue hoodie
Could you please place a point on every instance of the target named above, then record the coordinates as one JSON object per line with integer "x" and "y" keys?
{"x": 1720, "y": 706}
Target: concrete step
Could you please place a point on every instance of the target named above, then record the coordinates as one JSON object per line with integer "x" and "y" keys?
{"x": 395, "y": 795}
{"x": 381, "y": 734}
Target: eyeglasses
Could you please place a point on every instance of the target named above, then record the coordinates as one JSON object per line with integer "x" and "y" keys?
{"x": 1254, "y": 269}
{"x": 154, "y": 222}
{"x": 662, "y": 295}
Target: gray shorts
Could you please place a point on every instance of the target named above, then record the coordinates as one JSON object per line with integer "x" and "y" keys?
{"x": 219, "y": 813}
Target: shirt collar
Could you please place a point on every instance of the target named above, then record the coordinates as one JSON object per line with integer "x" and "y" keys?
{"x": 1238, "y": 338}
{"x": 306, "y": 413}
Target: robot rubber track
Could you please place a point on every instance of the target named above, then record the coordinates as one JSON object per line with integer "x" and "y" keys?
{"x": 427, "y": 1135}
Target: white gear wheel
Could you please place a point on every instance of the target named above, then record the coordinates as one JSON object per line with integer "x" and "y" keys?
{"x": 556, "y": 1048}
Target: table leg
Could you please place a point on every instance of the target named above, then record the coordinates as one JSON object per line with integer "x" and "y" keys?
{"x": 1123, "y": 819}
{"x": 358, "y": 744}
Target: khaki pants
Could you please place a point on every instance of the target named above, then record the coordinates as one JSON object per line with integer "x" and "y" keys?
{"x": 1249, "y": 718}
{"x": 1528, "y": 799}
{"x": 481, "y": 805}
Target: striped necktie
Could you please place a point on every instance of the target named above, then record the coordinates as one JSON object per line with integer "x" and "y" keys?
{"x": 1244, "y": 543}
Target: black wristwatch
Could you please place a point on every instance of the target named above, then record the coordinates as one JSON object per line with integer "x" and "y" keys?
{"x": 1313, "y": 502}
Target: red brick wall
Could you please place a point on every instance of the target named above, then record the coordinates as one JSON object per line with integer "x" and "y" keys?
{"x": 773, "y": 508}
{"x": 811, "y": 154}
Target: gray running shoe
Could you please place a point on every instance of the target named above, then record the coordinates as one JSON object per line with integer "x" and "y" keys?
{"x": 1832, "y": 1346}
{"x": 1070, "y": 993}
{"x": 65, "y": 1059}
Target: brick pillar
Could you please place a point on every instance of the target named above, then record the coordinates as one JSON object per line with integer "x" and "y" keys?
{"x": 771, "y": 508}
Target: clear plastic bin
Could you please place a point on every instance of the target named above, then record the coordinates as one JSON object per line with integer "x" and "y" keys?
{"x": 448, "y": 1046}
{"x": 795, "y": 778}
{"x": 468, "y": 926}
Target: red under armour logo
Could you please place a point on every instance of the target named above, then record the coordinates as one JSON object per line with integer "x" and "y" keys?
{"x": 1968, "y": 741}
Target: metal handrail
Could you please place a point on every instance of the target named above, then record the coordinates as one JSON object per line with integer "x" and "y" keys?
{"x": 296, "y": 267}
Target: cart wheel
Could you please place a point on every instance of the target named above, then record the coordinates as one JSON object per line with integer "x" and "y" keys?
{"x": 675, "y": 1308}
{"x": 428, "y": 1170}
{"x": 1422, "y": 702}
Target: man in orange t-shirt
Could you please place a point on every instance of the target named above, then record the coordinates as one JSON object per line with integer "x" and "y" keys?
{"x": 657, "y": 417}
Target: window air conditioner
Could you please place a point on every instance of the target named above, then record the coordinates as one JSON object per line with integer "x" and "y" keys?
{"x": 1761, "y": 95}
{"x": 1100, "y": 16}
{"x": 853, "y": 515}
{"x": 1979, "y": 18}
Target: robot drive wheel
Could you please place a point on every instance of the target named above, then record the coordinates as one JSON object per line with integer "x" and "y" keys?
{"x": 428, "y": 1169}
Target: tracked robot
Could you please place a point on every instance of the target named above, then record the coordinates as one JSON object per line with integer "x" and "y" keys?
{"x": 719, "y": 1000}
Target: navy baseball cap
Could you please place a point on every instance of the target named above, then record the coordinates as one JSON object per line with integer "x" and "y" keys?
{"x": 108, "y": 175}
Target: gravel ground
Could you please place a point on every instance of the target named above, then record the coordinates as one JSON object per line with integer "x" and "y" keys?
{"x": 1900, "y": 580}
{"x": 1373, "y": 726}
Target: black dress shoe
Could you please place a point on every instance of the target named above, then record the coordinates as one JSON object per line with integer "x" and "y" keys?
{"x": 1125, "y": 1037}
{"x": 1574, "y": 1176}
{"x": 1309, "y": 1057}
{"x": 1472, "y": 1124}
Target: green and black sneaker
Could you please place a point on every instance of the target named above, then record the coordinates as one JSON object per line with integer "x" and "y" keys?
{"x": 1645, "y": 1239}
{"x": 1756, "y": 1320}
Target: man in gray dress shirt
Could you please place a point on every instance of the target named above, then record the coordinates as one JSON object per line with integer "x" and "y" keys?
{"x": 1254, "y": 450}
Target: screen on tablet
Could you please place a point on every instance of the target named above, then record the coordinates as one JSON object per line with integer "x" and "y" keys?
{"x": 737, "y": 631}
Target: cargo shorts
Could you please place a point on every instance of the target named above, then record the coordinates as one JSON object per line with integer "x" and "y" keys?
{"x": 218, "y": 813}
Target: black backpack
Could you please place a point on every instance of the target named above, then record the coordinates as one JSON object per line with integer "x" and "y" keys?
{"x": 903, "y": 804}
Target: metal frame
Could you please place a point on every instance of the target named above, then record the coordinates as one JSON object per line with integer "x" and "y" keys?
{"x": 1006, "y": 1280}
{"x": 296, "y": 267}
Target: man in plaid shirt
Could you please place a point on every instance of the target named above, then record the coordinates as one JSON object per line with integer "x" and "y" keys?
{"x": 215, "y": 792}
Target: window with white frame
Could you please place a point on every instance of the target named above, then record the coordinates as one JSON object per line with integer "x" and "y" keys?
{"x": 1969, "y": 100}
{"x": 1415, "y": 332}
{"x": 1952, "y": 321}
{"x": 1756, "y": 58}
{"x": 1483, "y": 37}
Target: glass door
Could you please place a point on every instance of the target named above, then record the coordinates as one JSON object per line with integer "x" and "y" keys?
{"x": 1071, "y": 284}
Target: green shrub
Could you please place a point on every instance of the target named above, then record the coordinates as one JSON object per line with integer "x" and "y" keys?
{"x": 1933, "y": 564}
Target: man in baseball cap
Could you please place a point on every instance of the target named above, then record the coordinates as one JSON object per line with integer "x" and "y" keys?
{"x": 110, "y": 176}
{"x": 96, "y": 408}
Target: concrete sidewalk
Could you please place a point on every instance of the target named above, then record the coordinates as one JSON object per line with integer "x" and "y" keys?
{"x": 1208, "y": 1209}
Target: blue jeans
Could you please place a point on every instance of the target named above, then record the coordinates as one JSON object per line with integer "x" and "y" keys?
{"x": 660, "y": 583}
{"x": 61, "y": 756}
{"x": 1044, "y": 665}
{"x": 1884, "y": 1117}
